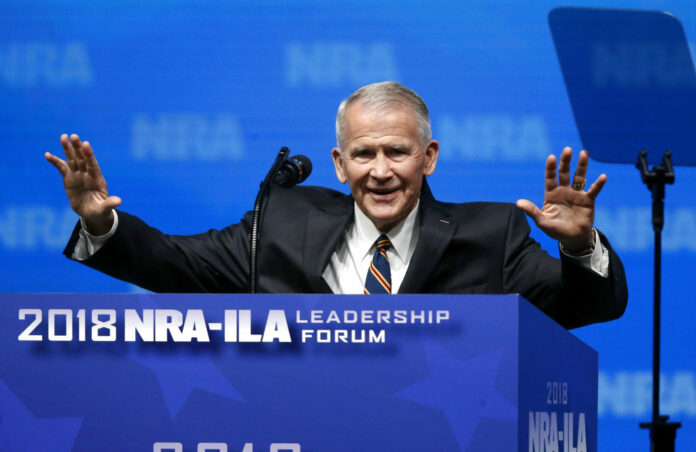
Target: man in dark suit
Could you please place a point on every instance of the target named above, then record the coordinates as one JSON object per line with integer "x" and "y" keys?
{"x": 319, "y": 240}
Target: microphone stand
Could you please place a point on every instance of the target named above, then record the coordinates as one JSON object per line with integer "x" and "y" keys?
{"x": 662, "y": 433}
{"x": 258, "y": 216}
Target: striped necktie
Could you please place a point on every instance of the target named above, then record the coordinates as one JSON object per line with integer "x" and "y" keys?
{"x": 378, "y": 279}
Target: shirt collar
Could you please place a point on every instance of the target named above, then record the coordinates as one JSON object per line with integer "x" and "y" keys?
{"x": 365, "y": 234}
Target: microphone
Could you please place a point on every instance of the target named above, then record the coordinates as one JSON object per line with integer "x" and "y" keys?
{"x": 293, "y": 171}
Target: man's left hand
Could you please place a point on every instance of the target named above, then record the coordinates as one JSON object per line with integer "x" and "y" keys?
{"x": 568, "y": 212}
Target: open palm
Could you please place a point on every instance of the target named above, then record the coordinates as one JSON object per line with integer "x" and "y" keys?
{"x": 567, "y": 214}
{"x": 84, "y": 184}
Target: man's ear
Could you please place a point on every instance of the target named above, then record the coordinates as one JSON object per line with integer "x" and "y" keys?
{"x": 431, "y": 153}
{"x": 338, "y": 164}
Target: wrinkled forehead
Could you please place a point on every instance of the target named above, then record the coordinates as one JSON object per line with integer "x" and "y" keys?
{"x": 365, "y": 125}
{"x": 361, "y": 115}
{"x": 380, "y": 107}
{"x": 379, "y": 115}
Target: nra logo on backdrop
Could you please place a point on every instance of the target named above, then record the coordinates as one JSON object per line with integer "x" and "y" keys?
{"x": 327, "y": 64}
{"x": 630, "y": 228}
{"x": 493, "y": 137}
{"x": 639, "y": 65}
{"x": 47, "y": 64}
{"x": 32, "y": 227}
{"x": 628, "y": 394}
{"x": 187, "y": 136}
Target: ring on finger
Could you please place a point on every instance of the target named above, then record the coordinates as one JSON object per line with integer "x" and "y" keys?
{"x": 579, "y": 186}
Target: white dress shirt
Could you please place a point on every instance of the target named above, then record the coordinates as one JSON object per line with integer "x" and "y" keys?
{"x": 89, "y": 244}
{"x": 349, "y": 264}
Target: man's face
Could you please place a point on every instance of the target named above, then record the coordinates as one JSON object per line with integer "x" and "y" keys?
{"x": 383, "y": 162}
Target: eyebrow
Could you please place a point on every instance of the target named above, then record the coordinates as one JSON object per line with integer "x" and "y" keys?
{"x": 391, "y": 147}
{"x": 359, "y": 149}
{"x": 398, "y": 147}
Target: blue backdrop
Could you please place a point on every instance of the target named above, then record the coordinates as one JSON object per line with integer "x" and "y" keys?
{"x": 186, "y": 104}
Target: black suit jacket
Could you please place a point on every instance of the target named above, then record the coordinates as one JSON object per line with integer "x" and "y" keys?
{"x": 463, "y": 248}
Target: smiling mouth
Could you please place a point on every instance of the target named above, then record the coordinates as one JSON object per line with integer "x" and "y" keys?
{"x": 382, "y": 194}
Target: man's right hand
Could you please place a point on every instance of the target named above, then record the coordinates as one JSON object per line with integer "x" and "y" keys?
{"x": 85, "y": 185}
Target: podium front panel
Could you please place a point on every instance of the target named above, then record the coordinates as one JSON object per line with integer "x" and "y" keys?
{"x": 143, "y": 372}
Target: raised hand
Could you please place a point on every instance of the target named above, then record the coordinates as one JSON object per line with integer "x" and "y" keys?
{"x": 568, "y": 212}
{"x": 84, "y": 184}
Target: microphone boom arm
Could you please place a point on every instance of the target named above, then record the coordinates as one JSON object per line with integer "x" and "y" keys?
{"x": 258, "y": 216}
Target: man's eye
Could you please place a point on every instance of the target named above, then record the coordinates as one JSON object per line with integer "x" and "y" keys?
{"x": 398, "y": 153}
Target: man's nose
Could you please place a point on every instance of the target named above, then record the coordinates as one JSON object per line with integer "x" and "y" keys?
{"x": 381, "y": 167}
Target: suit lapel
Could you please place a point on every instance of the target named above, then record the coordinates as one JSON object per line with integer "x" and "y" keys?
{"x": 323, "y": 233}
{"x": 436, "y": 229}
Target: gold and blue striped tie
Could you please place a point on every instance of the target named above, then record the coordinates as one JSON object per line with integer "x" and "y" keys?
{"x": 378, "y": 279}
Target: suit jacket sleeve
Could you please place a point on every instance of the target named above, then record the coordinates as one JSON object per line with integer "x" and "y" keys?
{"x": 214, "y": 261}
{"x": 571, "y": 294}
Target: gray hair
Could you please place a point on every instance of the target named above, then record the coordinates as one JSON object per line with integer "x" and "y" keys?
{"x": 383, "y": 96}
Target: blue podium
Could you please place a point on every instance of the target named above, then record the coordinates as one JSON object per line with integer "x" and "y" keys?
{"x": 181, "y": 372}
